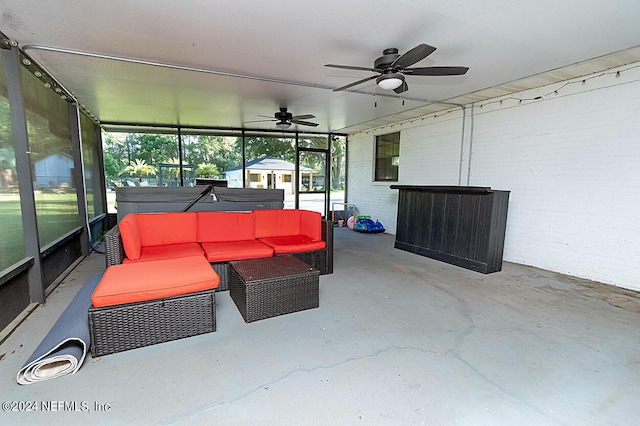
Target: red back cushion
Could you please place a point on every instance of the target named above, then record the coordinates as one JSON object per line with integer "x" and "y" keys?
{"x": 311, "y": 224}
{"x": 158, "y": 229}
{"x": 130, "y": 235}
{"x": 214, "y": 227}
{"x": 277, "y": 223}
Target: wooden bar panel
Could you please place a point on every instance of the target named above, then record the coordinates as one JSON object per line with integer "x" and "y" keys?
{"x": 464, "y": 226}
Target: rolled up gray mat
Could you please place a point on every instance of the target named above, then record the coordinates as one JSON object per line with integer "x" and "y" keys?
{"x": 64, "y": 348}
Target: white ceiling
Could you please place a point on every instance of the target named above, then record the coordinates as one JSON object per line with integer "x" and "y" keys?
{"x": 273, "y": 54}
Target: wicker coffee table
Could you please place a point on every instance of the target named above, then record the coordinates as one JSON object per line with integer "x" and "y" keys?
{"x": 265, "y": 288}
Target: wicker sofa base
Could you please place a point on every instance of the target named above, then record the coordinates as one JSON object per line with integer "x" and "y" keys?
{"x": 318, "y": 259}
{"x": 222, "y": 269}
{"x": 122, "y": 327}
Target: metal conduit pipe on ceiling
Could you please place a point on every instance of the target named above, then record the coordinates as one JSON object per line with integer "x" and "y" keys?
{"x": 464, "y": 115}
{"x": 238, "y": 75}
{"x": 34, "y": 46}
{"x": 470, "y": 144}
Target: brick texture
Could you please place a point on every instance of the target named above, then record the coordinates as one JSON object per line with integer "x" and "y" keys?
{"x": 572, "y": 164}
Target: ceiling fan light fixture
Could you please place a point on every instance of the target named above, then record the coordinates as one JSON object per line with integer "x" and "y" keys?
{"x": 390, "y": 81}
{"x": 283, "y": 125}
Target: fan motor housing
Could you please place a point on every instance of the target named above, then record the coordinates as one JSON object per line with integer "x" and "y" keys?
{"x": 283, "y": 115}
{"x": 387, "y": 58}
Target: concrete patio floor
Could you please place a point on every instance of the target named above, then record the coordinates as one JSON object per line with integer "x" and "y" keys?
{"x": 398, "y": 339}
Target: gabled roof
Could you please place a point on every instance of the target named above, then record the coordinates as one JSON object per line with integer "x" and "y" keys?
{"x": 271, "y": 163}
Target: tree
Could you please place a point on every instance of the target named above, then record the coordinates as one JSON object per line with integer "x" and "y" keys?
{"x": 224, "y": 152}
{"x": 207, "y": 170}
{"x": 258, "y": 147}
{"x": 6, "y": 139}
{"x": 156, "y": 148}
{"x": 111, "y": 166}
{"x": 7, "y": 167}
{"x": 140, "y": 168}
{"x": 116, "y": 151}
{"x": 174, "y": 171}
{"x": 7, "y": 159}
{"x": 338, "y": 147}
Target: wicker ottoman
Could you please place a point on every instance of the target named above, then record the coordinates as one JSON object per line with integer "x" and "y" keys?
{"x": 134, "y": 325}
{"x": 265, "y": 288}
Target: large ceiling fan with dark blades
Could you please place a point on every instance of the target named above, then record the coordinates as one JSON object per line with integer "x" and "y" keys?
{"x": 392, "y": 67}
{"x": 284, "y": 119}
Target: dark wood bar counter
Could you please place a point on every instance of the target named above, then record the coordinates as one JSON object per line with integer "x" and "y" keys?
{"x": 461, "y": 225}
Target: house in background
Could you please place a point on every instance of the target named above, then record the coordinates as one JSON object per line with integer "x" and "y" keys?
{"x": 269, "y": 173}
{"x": 53, "y": 171}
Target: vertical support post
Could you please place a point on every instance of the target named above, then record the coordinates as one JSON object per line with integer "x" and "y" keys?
{"x": 296, "y": 187}
{"x": 327, "y": 177}
{"x": 103, "y": 180}
{"x": 346, "y": 169}
{"x": 464, "y": 116}
{"x": 470, "y": 144}
{"x": 244, "y": 162}
{"x": 23, "y": 169}
{"x": 78, "y": 177}
{"x": 180, "y": 157}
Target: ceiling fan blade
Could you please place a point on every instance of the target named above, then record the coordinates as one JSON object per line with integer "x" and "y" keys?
{"x": 302, "y": 117}
{"x": 265, "y": 116}
{"x": 304, "y": 123}
{"x": 436, "y": 71}
{"x": 402, "y": 88}
{"x": 414, "y": 55}
{"x": 349, "y": 67}
{"x": 355, "y": 83}
{"x": 259, "y": 121}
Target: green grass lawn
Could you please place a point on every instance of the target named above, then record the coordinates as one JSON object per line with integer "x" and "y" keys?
{"x": 57, "y": 214}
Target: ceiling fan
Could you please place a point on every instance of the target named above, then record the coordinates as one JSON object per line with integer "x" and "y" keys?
{"x": 392, "y": 68}
{"x": 284, "y": 119}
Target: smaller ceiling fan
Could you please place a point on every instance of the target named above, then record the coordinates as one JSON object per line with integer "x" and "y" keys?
{"x": 392, "y": 67}
{"x": 284, "y": 119}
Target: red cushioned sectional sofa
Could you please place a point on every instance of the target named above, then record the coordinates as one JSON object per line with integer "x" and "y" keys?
{"x": 164, "y": 268}
{"x": 221, "y": 237}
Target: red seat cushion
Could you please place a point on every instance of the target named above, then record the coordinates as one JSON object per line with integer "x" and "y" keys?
{"x": 225, "y": 226}
{"x": 293, "y": 244}
{"x": 169, "y": 251}
{"x": 236, "y": 250}
{"x": 140, "y": 281}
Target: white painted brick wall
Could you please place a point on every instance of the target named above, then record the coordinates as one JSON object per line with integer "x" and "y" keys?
{"x": 430, "y": 155}
{"x": 571, "y": 162}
